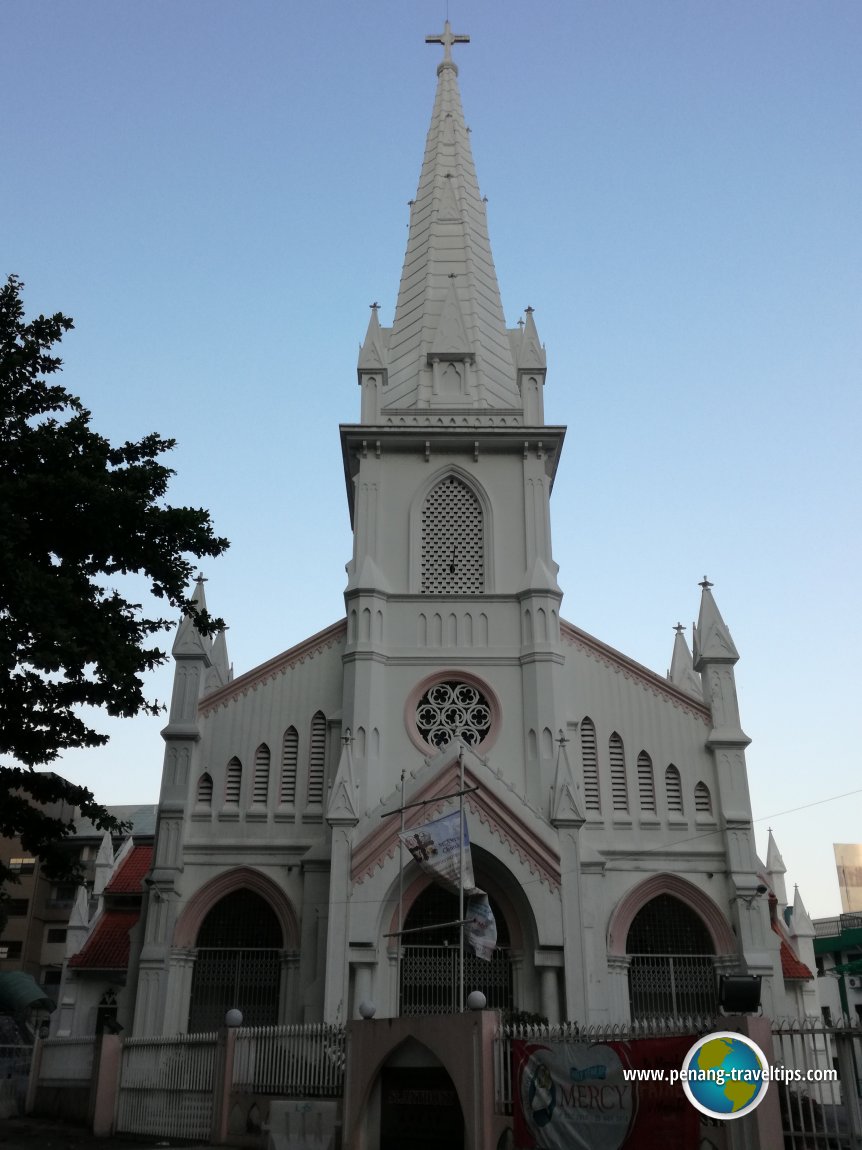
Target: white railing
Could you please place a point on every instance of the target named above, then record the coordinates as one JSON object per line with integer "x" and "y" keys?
{"x": 571, "y": 1032}
{"x": 305, "y": 1060}
{"x": 67, "y": 1059}
{"x": 819, "y": 1113}
{"x": 167, "y": 1086}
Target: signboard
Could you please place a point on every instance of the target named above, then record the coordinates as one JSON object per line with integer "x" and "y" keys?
{"x": 574, "y": 1096}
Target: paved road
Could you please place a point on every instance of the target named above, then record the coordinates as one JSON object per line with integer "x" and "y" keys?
{"x": 43, "y": 1134}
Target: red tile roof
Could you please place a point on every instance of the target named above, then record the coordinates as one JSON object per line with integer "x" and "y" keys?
{"x": 791, "y": 966}
{"x": 129, "y": 878}
{"x": 107, "y": 948}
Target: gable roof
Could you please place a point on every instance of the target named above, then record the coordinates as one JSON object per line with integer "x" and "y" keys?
{"x": 107, "y": 948}
{"x": 134, "y": 868}
{"x": 793, "y": 968}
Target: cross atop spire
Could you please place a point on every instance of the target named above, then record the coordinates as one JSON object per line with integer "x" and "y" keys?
{"x": 447, "y": 38}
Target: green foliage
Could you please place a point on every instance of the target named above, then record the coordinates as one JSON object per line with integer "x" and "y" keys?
{"x": 76, "y": 515}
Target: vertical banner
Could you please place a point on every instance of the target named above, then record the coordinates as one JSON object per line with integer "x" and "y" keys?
{"x": 436, "y": 847}
{"x": 574, "y": 1096}
{"x": 480, "y": 931}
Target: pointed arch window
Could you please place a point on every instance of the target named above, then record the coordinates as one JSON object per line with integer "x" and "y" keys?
{"x": 590, "y": 760}
{"x": 238, "y": 961}
{"x": 453, "y": 540}
{"x": 673, "y": 789}
{"x": 233, "y": 783}
{"x": 619, "y": 786}
{"x": 702, "y": 800}
{"x": 260, "y": 790}
{"x": 205, "y": 790}
{"x": 317, "y": 758}
{"x": 429, "y": 965}
{"x": 646, "y": 783}
{"x": 672, "y": 965}
{"x": 289, "y": 763}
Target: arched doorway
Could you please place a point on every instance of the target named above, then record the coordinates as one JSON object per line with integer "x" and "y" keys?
{"x": 672, "y": 961}
{"x": 419, "y": 1108}
{"x": 430, "y": 982}
{"x": 238, "y": 963}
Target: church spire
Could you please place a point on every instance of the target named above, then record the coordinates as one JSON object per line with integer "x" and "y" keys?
{"x": 682, "y": 673}
{"x": 448, "y": 345}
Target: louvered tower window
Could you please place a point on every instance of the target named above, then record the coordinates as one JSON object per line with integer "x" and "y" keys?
{"x": 289, "y": 761}
{"x": 205, "y": 790}
{"x": 702, "y": 799}
{"x": 673, "y": 789}
{"x": 646, "y": 783}
{"x": 260, "y": 791}
{"x": 589, "y": 757}
{"x": 232, "y": 783}
{"x": 317, "y": 758}
{"x": 453, "y": 545}
{"x": 619, "y": 787}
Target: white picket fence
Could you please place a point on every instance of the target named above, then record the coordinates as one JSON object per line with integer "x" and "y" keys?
{"x": 820, "y": 1113}
{"x": 67, "y": 1060}
{"x": 167, "y": 1086}
{"x": 305, "y": 1061}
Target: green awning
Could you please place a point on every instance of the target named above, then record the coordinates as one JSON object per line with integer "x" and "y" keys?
{"x": 19, "y": 990}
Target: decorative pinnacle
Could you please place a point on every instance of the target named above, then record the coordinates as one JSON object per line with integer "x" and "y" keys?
{"x": 679, "y": 628}
{"x": 706, "y": 583}
{"x": 447, "y": 38}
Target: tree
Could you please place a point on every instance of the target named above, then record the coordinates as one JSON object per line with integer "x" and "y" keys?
{"x": 77, "y": 515}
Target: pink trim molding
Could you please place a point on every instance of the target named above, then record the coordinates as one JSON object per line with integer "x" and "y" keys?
{"x": 240, "y": 878}
{"x": 723, "y": 938}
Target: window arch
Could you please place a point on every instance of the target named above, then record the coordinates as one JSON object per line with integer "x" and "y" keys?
{"x": 238, "y": 963}
{"x": 289, "y": 763}
{"x": 702, "y": 800}
{"x": 260, "y": 789}
{"x": 673, "y": 789}
{"x": 205, "y": 790}
{"x": 672, "y": 969}
{"x": 452, "y": 547}
{"x": 590, "y": 761}
{"x": 317, "y": 758}
{"x": 646, "y": 783}
{"x": 233, "y": 783}
{"x": 619, "y": 786}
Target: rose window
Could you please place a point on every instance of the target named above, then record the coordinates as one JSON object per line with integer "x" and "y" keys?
{"x": 453, "y": 710}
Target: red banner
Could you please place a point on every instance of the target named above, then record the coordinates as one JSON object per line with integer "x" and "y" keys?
{"x": 576, "y": 1096}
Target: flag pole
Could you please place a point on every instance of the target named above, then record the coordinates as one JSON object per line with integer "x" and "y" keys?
{"x": 400, "y": 887}
{"x": 461, "y": 883}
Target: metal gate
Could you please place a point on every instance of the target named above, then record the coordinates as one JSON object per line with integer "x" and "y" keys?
{"x": 815, "y": 1112}
{"x": 430, "y": 982}
{"x": 672, "y": 985}
{"x": 167, "y": 1086}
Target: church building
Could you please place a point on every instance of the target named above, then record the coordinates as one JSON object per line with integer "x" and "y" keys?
{"x": 607, "y": 805}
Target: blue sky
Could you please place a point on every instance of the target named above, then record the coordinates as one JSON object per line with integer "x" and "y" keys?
{"x": 216, "y": 192}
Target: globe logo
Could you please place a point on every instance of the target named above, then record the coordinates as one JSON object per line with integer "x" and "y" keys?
{"x": 725, "y": 1075}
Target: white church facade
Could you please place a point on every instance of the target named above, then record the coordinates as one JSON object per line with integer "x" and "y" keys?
{"x": 608, "y": 805}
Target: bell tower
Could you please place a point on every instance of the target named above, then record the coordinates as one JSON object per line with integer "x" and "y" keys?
{"x": 449, "y": 475}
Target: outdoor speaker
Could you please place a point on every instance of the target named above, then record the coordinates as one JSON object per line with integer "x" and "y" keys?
{"x": 739, "y": 993}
